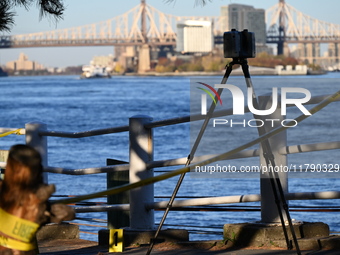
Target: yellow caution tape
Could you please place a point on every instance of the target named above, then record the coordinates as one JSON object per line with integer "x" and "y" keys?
{"x": 220, "y": 157}
{"x": 16, "y": 245}
{"x": 17, "y": 132}
{"x": 18, "y": 228}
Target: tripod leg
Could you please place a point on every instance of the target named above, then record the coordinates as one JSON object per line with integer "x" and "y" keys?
{"x": 274, "y": 178}
{"x": 190, "y": 158}
{"x": 169, "y": 205}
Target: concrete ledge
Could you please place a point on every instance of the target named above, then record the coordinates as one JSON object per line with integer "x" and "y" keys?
{"x": 271, "y": 235}
{"x": 315, "y": 243}
{"x": 58, "y": 231}
{"x": 330, "y": 243}
{"x": 137, "y": 237}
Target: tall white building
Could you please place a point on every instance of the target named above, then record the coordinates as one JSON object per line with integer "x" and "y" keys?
{"x": 195, "y": 36}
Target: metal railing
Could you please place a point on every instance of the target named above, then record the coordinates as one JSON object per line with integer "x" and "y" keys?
{"x": 141, "y": 166}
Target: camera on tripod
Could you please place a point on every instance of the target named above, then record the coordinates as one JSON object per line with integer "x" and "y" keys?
{"x": 239, "y": 44}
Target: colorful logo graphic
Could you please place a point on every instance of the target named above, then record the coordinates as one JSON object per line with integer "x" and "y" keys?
{"x": 212, "y": 93}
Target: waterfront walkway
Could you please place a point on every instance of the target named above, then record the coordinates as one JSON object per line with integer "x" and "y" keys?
{"x": 83, "y": 247}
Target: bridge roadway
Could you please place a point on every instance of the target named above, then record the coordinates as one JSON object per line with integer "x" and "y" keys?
{"x": 274, "y": 39}
{"x": 6, "y": 42}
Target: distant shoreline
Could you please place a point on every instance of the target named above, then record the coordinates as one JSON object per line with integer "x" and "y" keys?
{"x": 254, "y": 71}
{"x": 235, "y": 72}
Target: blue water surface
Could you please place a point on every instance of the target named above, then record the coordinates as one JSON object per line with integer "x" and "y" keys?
{"x": 66, "y": 103}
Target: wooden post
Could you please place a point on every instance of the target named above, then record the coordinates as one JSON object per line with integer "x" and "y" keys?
{"x": 141, "y": 152}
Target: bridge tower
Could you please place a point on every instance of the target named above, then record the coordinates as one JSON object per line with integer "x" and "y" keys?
{"x": 143, "y": 20}
{"x": 144, "y": 50}
{"x": 277, "y": 32}
{"x": 282, "y": 28}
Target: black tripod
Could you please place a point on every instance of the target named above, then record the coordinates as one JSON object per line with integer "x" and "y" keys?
{"x": 275, "y": 181}
{"x": 269, "y": 158}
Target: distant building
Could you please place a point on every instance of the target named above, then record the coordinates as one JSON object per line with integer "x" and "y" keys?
{"x": 225, "y": 21}
{"x": 107, "y": 62}
{"x": 23, "y": 64}
{"x": 103, "y": 61}
{"x": 195, "y": 37}
{"x": 242, "y": 17}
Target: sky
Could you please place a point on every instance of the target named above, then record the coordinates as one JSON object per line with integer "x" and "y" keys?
{"x": 82, "y": 12}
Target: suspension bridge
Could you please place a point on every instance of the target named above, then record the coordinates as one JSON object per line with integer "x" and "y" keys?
{"x": 145, "y": 25}
{"x": 289, "y": 25}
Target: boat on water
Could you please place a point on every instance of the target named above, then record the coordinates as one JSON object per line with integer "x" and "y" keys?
{"x": 316, "y": 72}
{"x": 290, "y": 70}
{"x": 91, "y": 71}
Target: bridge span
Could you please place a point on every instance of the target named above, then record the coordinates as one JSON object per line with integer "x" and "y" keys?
{"x": 145, "y": 25}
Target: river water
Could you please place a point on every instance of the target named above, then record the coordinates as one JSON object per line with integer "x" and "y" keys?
{"x": 66, "y": 103}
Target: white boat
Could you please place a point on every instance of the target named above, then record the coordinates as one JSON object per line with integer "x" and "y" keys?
{"x": 290, "y": 70}
{"x": 91, "y": 71}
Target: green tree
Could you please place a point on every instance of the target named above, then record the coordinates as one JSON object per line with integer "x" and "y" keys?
{"x": 212, "y": 63}
{"x": 54, "y": 8}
